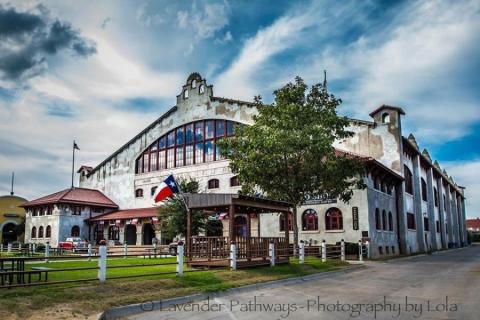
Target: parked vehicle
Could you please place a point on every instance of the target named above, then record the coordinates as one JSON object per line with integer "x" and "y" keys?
{"x": 74, "y": 244}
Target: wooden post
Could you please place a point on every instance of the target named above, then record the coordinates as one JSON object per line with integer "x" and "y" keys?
{"x": 189, "y": 235}
{"x": 231, "y": 223}
{"x": 287, "y": 236}
{"x": 249, "y": 238}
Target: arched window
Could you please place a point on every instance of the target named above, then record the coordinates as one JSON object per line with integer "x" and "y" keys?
{"x": 378, "y": 222}
{"x": 201, "y": 89}
{"x": 309, "y": 220}
{"x": 390, "y": 221}
{"x": 191, "y": 143}
{"x": 384, "y": 220}
{"x": 213, "y": 184}
{"x": 282, "y": 222}
{"x": 34, "y": 232}
{"x": 408, "y": 180}
{"x": 386, "y": 117}
{"x": 185, "y": 94}
{"x": 75, "y": 232}
{"x": 113, "y": 233}
{"x": 240, "y": 226}
{"x": 48, "y": 232}
{"x": 333, "y": 219}
{"x": 139, "y": 193}
{"x": 234, "y": 182}
{"x": 424, "y": 190}
{"x": 153, "y": 190}
{"x": 194, "y": 83}
{"x": 40, "y": 232}
{"x": 435, "y": 196}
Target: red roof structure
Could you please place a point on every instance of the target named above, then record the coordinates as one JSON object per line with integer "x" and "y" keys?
{"x": 127, "y": 214}
{"x": 80, "y": 196}
{"x": 473, "y": 224}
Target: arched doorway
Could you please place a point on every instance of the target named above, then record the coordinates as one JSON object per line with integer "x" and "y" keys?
{"x": 131, "y": 234}
{"x": 148, "y": 233}
{"x": 9, "y": 233}
{"x": 240, "y": 226}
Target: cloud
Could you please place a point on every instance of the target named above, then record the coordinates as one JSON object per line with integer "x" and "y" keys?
{"x": 28, "y": 39}
{"x": 147, "y": 18}
{"x": 226, "y": 38}
{"x": 205, "y": 21}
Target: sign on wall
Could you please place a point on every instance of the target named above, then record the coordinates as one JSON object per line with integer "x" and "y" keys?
{"x": 321, "y": 200}
{"x": 355, "y": 218}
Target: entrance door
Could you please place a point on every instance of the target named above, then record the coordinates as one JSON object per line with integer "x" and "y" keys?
{"x": 240, "y": 226}
{"x": 9, "y": 233}
{"x": 131, "y": 234}
{"x": 148, "y": 233}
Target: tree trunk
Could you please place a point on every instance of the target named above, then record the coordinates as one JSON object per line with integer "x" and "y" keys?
{"x": 295, "y": 231}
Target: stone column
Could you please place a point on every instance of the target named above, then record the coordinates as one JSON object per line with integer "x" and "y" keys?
{"x": 417, "y": 203}
{"x": 401, "y": 214}
{"x": 139, "y": 234}
{"x": 450, "y": 238}
{"x": 455, "y": 224}
{"x": 464, "y": 223}
{"x": 460, "y": 220}
{"x": 431, "y": 209}
{"x": 442, "y": 213}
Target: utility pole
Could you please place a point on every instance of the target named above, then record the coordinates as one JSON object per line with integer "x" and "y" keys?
{"x": 13, "y": 179}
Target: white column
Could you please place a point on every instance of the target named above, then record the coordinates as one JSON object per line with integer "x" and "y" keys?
{"x": 89, "y": 252}
{"x": 180, "y": 260}
{"x": 102, "y": 264}
{"x": 233, "y": 256}
{"x": 342, "y": 250}
{"x": 125, "y": 251}
{"x": 367, "y": 247}
{"x": 302, "y": 252}
{"x": 47, "y": 251}
{"x": 9, "y": 247}
{"x": 324, "y": 251}
{"x": 360, "y": 250}
{"x": 271, "y": 253}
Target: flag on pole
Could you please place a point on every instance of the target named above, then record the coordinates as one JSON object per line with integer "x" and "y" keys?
{"x": 166, "y": 189}
{"x": 75, "y": 145}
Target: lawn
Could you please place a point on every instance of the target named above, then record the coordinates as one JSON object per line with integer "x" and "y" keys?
{"x": 84, "y": 300}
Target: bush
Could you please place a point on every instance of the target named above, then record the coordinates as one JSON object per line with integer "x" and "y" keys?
{"x": 40, "y": 247}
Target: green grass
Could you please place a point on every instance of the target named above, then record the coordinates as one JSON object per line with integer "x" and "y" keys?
{"x": 88, "y": 298}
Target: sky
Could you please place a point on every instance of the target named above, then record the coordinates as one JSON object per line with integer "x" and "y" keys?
{"x": 100, "y": 71}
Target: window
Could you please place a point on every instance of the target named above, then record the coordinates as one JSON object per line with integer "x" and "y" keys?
{"x": 410, "y": 221}
{"x": 240, "y": 226}
{"x": 209, "y": 154}
{"x": 201, "y": 89}
{"x": 386, "y": 118}
{"x": 139, "y": 193}
{"x": 333, "y": 219}
{"x": 185, "y": 94}
{"x": 380, "y": 250}
{"x": 113, "y": 233}
{"x": 378, "y": 222}
{"x": 390, "y": 221}
{"x": 435, "y": 196}
{"x": 49, "y": 210}
{"x": 76, "y": 210}
{"x": 426, "y": 225}
{"x": 437, "y": 226}
{"x": 75, "y": 232}
{"x": 375, "y": 184}
{"x": 444, "y": 203}
{"x": 408, "y": 180}
{"x": 179, "y": 157}
{"x": 393, "y": 249}
{"x": 40, "y": 232}
{"x": 234, "y": 182}
{"x": 424, "y": 190}
{"x": 213, "y": 184}
{"x": 387, "y": 249}
{"x": 42, "y": 211}
{"x": 34, "y": 232}
{"x": 153, "y": 190}
{"x": 48, "y": 232}
{"x": 194, "y": 83}
{"x": 282, "y": 222}
{"x": 309, "y": 220}
{"x": 170, "y": 158}
{"x": 34, "y": 212}
{"x": 384, "y": 220}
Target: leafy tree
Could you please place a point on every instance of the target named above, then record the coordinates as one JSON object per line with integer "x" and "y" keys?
{"x": 288, "y": 152}
{"x": 173, "y": 214}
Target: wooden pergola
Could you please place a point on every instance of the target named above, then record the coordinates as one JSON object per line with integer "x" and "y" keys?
{"x": 251, "y": 250}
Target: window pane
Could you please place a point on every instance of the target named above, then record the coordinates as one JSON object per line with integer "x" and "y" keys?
{"x": 199, "y": 152}
{"x": 161, "y": 160}
{"x": 153, "y": 161}
{"x": 189, "y": 133}
{"x": 209, "y": 129}
{"x": 229, "y": 128}
{"x": 170, "y": 139}
{"x": 139, "y": 165}
{"x": 179, "y": 162}
{"x": 170, "y": 158}
{"x": 188, "y": 155}
{"x": 209, "y": 150}
{"x": 220, "y": 128}
{"x": 145, "y": 163}
{"x": 199, "y": 131}
{"x": 218, "y": 155}
{"x": 180, "y": 136}
{"x": 162, "y": 143}
{"x": 154, "y": 146}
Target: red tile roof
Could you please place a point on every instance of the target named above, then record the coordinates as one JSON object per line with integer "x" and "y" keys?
{"x": 75, "y": 196}
{"x": 127, "y": 214}
{"x": 473, "y": 223}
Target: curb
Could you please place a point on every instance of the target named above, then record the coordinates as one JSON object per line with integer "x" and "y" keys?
{"x": 433, "y": 253}
{"x": 123, "y": 311}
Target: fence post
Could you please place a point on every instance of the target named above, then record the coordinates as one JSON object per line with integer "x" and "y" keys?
{"x": 233, "y": 256}
{"x": 180, "y": 259}
{"x": 125, "y": 251}
{"x": 360, "y": 250}
{"x": 47, "y": 251}
{"x": 89, "y": 252}
{"x": 302, "y": 252}
{"x": 102, "y": 263}
{"x": 367, "y": 246}
{"x": 155, "y": 250}
{"x": 271, "y": 253}
{"x": 324, "y": 251}
{"x": 342, "y": 250}
{"x": 9, "y": 247}
{"x": 34, "y": 246}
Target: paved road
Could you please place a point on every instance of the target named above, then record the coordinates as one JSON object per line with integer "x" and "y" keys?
{"x": 439, "y": 286}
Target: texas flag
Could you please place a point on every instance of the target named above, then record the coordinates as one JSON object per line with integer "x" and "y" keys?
{"x": 166, "y": 189}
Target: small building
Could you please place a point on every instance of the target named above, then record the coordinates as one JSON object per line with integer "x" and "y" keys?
{"x": 11, "y": 216}
{"x": 473, "y": 225}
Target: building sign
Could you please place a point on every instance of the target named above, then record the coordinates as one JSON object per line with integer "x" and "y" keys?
{"x": 320, "y": 200}
{"x": 355, "y": 218}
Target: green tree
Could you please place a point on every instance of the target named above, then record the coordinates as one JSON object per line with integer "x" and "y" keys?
{"x": 173, "y": 214}
{"x": 288, "y": 152}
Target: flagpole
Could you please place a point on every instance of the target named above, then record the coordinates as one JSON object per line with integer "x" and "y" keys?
{"x": 73, "y": 160}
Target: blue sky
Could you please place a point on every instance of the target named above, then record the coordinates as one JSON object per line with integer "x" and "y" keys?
{"x": 100, "y": 71}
